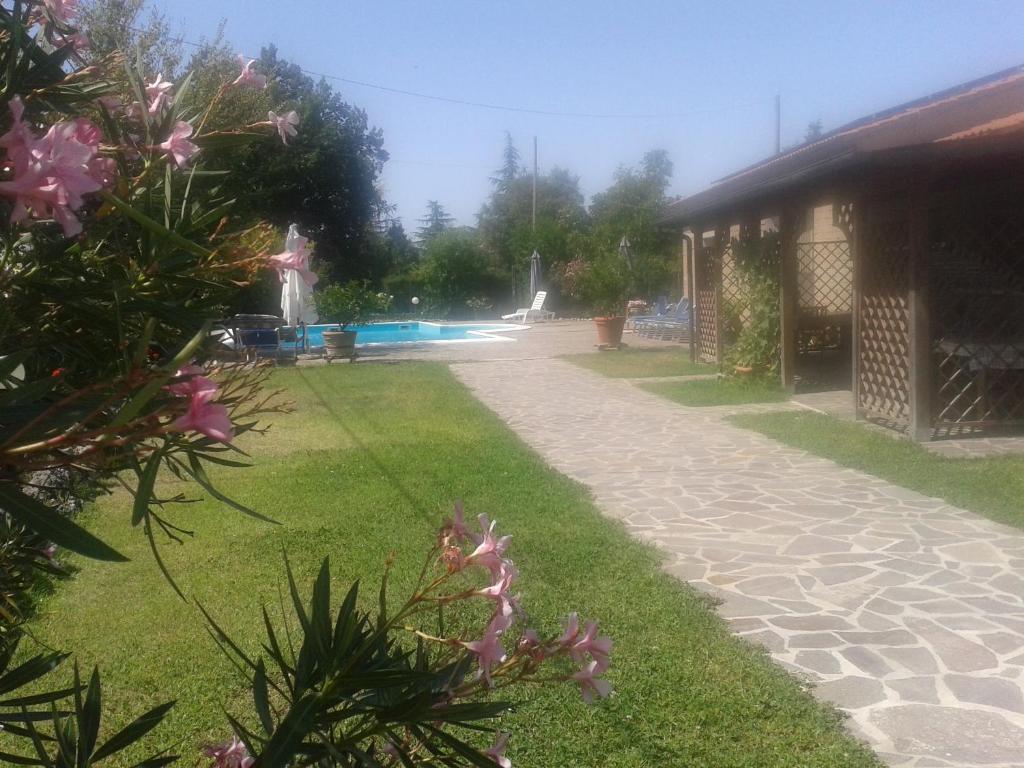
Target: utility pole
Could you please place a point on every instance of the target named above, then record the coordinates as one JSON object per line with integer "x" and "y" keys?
{"x": 533, "y": 220}
{"x": 778, "y": 123}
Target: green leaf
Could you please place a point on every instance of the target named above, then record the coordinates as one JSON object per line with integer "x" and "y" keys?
{"x": 155, "y": 227}
{"x": 89, "y": 718}
{"x": 144, "y": 490}
{"x": 52, "y": 525}
{"x": 132, "y": 732}
{"x": 261, "y": 697}
{"x": 195, "y": 469}
{"x": 288, "y": 737}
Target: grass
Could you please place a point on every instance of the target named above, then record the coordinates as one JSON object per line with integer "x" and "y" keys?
{"x": 718, "y": 392}
{"x": 641, "y": 363}
{"x": 368, "y": 464}
{"x": 993, "y": 487}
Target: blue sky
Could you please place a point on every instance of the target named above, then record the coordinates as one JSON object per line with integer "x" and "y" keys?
{"x": 714, "y": 66}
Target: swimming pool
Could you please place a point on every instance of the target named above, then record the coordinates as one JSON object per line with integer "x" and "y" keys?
{"x": 416, "y": 332}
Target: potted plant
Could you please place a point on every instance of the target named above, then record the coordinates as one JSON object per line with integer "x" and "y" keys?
{"x": 604, "y": 285}
{"x": 343, "y": 305}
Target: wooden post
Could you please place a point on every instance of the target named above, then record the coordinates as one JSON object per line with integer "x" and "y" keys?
{"x": 789, "y": 226}
{"x": 696, "y": 264}
{"x": 919, "y": 325}
{"x": 855, "y": 236}
{"x": 721, "y": 238}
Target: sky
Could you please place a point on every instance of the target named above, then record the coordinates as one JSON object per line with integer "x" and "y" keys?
{"x": 697, "y": 79}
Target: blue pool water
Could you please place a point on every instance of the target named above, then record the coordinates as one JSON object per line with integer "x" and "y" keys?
{"x": 411, "y": 332}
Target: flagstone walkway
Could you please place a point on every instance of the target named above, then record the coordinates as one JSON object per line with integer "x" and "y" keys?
{"x": 905, "y": 612}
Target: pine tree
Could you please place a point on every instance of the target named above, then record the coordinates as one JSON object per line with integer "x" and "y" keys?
{"x": 434, "y": 223}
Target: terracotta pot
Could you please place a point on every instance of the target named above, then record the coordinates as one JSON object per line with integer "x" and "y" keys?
{"x": 609, "y": 330}
{"x": 339, "y": 344}
{"x": 743, "y": 370}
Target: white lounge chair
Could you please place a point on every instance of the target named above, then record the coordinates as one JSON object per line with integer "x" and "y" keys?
{"x": 536, "y": 309}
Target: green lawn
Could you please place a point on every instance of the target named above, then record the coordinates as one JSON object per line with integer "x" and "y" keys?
{"x": 991, "y": 487}
{"x": 641, "y": 363}
{"x": 718, "y": 392}
{"x": 368, "y": 464}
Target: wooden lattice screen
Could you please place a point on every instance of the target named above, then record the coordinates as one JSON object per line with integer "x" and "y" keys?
{"x": 706, "y": 317}
{"x": 976, "y": 282}
{"x": 884, "y": 349}
{"x": 825, "y": 277}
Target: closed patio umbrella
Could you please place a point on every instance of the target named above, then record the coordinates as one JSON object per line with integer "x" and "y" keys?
{"x": 534, "y": 274}
{"x": 296, "y": 295}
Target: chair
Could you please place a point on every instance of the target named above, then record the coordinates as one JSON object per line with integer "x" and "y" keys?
{"x": 672, "y": 326}
{"x": 537, "y": 308}
{"x": 255, "y": 334}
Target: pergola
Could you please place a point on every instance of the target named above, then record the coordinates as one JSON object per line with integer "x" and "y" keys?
{"x": 901, "y": 252}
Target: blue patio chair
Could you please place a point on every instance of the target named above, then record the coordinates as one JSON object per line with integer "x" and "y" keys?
{"x": 672, "y": 326}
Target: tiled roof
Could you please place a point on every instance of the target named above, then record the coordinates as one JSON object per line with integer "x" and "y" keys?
{"x": 986, "y": 106}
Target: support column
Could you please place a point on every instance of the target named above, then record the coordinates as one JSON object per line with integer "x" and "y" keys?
{"x": 919, "y": 324}
{"x": 696, "y": 253}
{"x": 855, "y": 236}
{"x": 721, "y": 238}
{"x": 789, "y": 232}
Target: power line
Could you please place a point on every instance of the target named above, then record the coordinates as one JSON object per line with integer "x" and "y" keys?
{"x": 521, "y": 110}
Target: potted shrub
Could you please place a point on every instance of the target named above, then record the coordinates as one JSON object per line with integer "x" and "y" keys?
{"x": 352, "y": 303}
{"x": 604, "y": 285}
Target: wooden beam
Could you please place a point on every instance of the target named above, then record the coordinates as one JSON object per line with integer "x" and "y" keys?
{"x": 857, "y": 240}
{"x": 722, "y": 233}
{"x": 699, "y": 279}
{"x": 919, "y": 324}
{"x": 789, "y": 233}
{"x": 696, "y": 242}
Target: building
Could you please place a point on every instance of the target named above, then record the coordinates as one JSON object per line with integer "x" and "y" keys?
{"x": 900, "y": 241}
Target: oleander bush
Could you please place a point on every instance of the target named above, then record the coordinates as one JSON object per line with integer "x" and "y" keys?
{"x": 117, "y": 251}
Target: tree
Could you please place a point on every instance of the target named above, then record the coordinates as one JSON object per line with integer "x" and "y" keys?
{"x": 509, "y": 236}
{"x": 433, "y": 224}
{"x": 510, "y": 167}
{"x": 630, "y": 207}
{"x": 118, "y": 25}
{"x": 454, "y": 271}
{"x": 813, "y": 130}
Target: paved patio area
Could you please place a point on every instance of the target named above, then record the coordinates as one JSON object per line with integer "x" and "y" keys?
{"x": 905, "y": 612}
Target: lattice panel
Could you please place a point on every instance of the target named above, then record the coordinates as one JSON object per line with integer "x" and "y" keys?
{"x": 884, "y": 363}
{"x": 976, "y": 281}
{"x": 707, "y": 325}
{"x": 825, "y": 277}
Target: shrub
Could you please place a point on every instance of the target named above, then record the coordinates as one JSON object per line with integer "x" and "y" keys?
{"x": 351, "y": 303}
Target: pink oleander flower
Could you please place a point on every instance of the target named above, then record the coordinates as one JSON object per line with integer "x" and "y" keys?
{"x": 194, "y": 384}
{"x": 206, "y": 417}
{"x": 295, "y": 256}
{"x": 458, "y": 524}
{"x": 599, "y": 648}
{"x": 51, "y": 174}
{"x": 50, "y": 551}
{"x": 177, "y": 146}
{"x": 497, "y": 750}
{"x": 159, "y": 94}
{"x": 231, "y": 755}
{"x": 285, "y": 124}
{"x": 249, "y": 76}
{"x": 489, "y": 650}
{"x": 490, "y": 549}
{"x": 590, "y": 686}
{"x": 498, "y": 591}
{"x": 572, "y": 630}
{"x": 61, "y": 10}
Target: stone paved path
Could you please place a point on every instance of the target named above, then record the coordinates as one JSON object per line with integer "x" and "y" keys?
{"x": 905, "y": 612}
